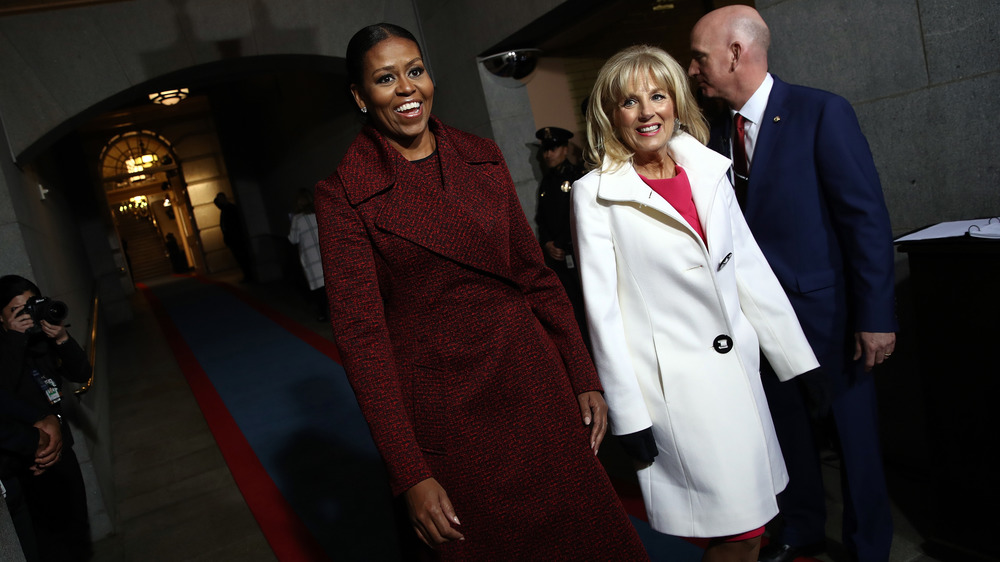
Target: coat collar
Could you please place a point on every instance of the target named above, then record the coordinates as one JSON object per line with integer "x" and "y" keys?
{"x": 706, "y": 169}
{"x": 371, "y": 152}
{"x": 463, "y": 222}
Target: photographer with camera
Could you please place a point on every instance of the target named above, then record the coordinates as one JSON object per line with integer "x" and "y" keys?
{"x": 36, "y": 355}
{"x": 32, "y": 435}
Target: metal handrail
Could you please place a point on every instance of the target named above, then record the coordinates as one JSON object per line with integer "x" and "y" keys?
{"x": 92, "y": 348}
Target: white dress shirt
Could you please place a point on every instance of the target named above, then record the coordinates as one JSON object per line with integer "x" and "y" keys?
{"x": 753, "y": 112}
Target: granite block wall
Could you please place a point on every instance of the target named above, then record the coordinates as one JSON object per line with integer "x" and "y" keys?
{"x": 467, "y": 96}
{"x": 922, "y": 76}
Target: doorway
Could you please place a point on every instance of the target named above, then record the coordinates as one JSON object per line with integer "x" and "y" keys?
{"x": 148, "y": 202}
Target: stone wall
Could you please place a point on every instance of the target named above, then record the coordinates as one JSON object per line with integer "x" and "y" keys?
{"x": 922, "y": 77}
{"x": 466, "y": 95}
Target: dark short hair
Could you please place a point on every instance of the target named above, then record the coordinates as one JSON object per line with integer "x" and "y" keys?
{"x": 304, "y": 202}
{"x": 365, "y": 39}
{"x": 14, "y": 285}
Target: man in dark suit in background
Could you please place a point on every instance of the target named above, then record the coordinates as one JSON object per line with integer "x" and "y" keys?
{"x": 234, "y": 235}
{"x": 807, "y": 183}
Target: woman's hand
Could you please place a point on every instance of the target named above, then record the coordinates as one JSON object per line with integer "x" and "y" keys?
{"x": 55, "y": 331}
{"x": 595, "y": 414}
{"x": 431, "y": 513}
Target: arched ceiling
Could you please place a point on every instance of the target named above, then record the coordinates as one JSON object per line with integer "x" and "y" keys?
{"x": 94, "y": 55}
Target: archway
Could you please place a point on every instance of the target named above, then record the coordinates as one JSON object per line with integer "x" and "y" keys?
{"x": 149, "y": 205}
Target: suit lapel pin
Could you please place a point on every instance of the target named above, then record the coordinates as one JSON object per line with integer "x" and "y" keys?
{"x": 777, "y": 118}
{"x": 565, "y": 187}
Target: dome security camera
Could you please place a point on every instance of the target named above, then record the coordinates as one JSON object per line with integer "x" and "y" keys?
{"x": 516, "y": 63}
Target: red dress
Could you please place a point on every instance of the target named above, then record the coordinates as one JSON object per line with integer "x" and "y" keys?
{"x": 463, "y": 352}
{"x": 677, "y": 192}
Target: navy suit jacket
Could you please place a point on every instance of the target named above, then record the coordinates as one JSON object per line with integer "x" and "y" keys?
{"x": 815, "y": 206}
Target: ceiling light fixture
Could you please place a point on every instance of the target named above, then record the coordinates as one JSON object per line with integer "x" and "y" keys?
{"x": 169, "y": 97}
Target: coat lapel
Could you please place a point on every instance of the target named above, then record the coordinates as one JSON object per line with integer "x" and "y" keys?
{"x": 625, "y": 184}
{"x": 711, "y": 166}
{"x": 770, "y": 129}
{"x": 463, "y": 222}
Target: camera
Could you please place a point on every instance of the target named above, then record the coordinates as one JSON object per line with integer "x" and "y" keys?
{"x": 44, "y": 308}
{"x": 516, "y": 63}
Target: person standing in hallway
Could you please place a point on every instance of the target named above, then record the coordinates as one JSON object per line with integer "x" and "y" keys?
{"x": 681, "y": 302}
{"x": 28, "y": 437}
{"x": 459, "y": 343}
{"x": 552, "y": 214}
{"x": 305, "y": 235}
{"x": 28, "y": 432}
{"x": 807, "y": 184}
{"x": 234, "y": 235}
{"x": 36, "y": 356}
{"x": 178, "y": 260}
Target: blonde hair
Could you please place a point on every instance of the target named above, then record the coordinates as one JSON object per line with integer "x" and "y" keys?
{"x": 614, "y": 82}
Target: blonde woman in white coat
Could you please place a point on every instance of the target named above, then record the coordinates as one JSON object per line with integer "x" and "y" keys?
{"x": 679, "y": 300}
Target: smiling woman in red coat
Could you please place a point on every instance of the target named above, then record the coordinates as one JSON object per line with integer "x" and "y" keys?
{"x": 459, "y": 343}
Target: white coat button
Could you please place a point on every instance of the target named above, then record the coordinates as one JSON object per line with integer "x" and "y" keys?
{"x": 723, "y": 343}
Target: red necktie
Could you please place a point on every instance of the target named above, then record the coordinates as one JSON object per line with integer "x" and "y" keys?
{"x": 740, "y": 161}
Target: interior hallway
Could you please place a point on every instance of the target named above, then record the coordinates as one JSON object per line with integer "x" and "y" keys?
{"x": 175, "y": 497}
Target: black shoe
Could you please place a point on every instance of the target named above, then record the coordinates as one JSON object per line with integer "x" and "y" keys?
{"x": 777, "y": 552}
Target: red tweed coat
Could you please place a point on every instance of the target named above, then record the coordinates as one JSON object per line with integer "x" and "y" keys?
{"x": 463, "y": 352}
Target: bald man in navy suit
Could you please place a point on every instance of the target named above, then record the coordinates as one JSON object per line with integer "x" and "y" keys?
{"x": 807, "y": 183}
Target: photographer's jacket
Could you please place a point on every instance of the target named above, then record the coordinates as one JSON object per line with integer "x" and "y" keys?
{"x": 16, "y": 432}
{"x": 21, "y": 354}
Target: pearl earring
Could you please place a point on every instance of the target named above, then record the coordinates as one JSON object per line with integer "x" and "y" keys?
{"x": 364, "y": 110}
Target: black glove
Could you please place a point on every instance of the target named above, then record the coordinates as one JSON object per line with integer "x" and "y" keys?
{"x": 640, "y": 445}
{"x": 817, "y": 391}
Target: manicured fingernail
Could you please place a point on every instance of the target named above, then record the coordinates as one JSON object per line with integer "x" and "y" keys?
{"x": 457, "y": 522}
{"x": 586, "y": 421}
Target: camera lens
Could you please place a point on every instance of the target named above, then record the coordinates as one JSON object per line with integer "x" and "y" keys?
{"x": 56, "y": 312}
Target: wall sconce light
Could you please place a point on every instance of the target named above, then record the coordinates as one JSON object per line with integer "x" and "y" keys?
{"x": 169, "y": 97}
{"x": 517, "y": 63}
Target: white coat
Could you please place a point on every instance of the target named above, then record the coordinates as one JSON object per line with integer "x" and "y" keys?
{"x": 657, "y": 302}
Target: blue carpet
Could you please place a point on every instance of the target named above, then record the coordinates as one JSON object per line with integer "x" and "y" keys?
{"x": 296, "y": 410}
